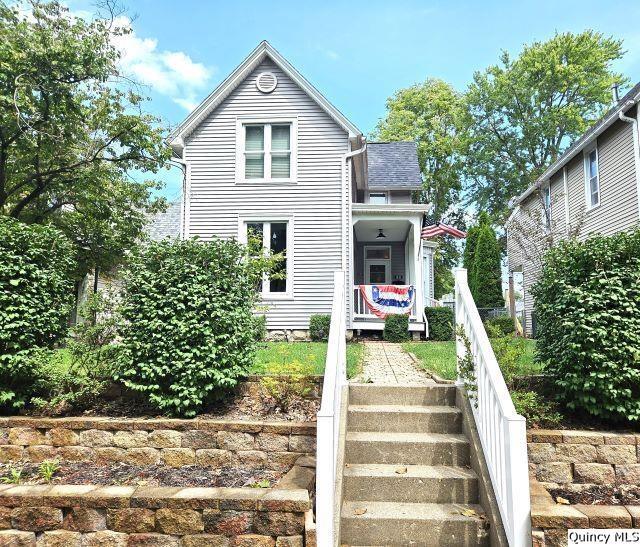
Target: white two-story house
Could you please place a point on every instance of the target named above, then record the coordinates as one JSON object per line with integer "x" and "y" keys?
{"x": 266, "y": 152}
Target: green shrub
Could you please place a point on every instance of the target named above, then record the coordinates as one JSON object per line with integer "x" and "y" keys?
{"x": 319, "y": 327}
{"x": 396, "y": 328}
{"x": 501, "y": 323}
{"x": 259, "y": 324}
{"x": 287, "y": 383}
{"x": 537, "y": 411}
{"x": 36, "y": 295}
{"x": 186, "y": 308}
{"x": 508, "y": 350}
{"x": 587, "y": 305}
{"x": 485, "y": 282}
{"x": 441, "y": 323}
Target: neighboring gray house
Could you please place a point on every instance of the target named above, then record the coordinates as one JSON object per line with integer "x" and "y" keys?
{"x": 594, "y": 187}
{"x": 267, "y": 152}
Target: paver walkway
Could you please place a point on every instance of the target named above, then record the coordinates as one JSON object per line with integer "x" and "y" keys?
{"x": 387, "y": 363}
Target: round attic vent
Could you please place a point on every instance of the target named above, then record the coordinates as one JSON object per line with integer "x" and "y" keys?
{"x": 266, "y": 82}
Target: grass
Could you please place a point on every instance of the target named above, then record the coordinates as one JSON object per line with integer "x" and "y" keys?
{"x": 313, "y": 354}
{"x": 440, "y": 357}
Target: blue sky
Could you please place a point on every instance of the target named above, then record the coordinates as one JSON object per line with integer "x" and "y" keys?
{"x": 357, "y": 53}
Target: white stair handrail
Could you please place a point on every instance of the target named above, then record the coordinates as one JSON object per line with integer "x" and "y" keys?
{"x": 502, "y": 432}
{"x": 328, "y": 426}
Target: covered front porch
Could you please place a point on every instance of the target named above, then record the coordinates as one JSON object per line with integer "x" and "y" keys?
{"x": 387, "y": 250}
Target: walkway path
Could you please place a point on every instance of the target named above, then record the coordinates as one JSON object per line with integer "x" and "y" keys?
{"x": 387, "y": 363}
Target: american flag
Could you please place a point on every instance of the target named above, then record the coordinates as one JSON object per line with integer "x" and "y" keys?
{"x": 440, "y": 229}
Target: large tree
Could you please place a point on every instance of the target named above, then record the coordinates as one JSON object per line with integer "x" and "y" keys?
{"x": 73, "y": 133}
{"x": 431, "y": 114}
{"x": 522, "y": 113}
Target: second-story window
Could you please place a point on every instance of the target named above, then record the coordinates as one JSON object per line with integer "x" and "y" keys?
{"x": 593, "y": 178}
{"x": 546, "y": 201}
{"x": 267, "y": 151}
{"x": 378, "y": 198}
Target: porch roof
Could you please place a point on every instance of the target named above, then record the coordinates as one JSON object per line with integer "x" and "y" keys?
{"x": 400, "y": 209}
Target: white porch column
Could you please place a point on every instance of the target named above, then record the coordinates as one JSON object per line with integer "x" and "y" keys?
{"x": 417, "y": 266}
{"x": 428, "y": 250}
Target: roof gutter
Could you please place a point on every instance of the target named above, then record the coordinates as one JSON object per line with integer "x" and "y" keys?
{"x": 636, "y": 149}
{"x": 566, "y": 158}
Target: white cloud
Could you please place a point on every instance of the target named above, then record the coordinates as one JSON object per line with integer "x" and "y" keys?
{"x": 171, "y": 73}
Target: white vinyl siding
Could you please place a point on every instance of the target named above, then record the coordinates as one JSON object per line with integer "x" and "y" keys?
{"x": 313, "y": 198}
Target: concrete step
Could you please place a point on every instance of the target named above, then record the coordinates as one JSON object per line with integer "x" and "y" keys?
{"x": 398, "y": 418}
{"x": 424, "y": 524}
{"x": 406, "y": 448}
{"x": 419, "y": 484}
{"x": 371, "y": 394}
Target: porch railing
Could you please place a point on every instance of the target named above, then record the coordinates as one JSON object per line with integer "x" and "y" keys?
{"x": 501, "y": 430}
{"x": 328, "y": 426}
{"x": 362, "y": 310}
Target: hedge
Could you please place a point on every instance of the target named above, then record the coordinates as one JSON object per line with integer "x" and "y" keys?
{"x": 36, "y": 296}
{"x": 396, "y": 328}
{"x": 587, "y": 305}
{"x": 188, "y": 332}
{"x": 441, "y": 323}
{"x": 319, "y": 327}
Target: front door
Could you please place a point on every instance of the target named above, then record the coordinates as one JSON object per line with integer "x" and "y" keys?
{"x": 377, "y": 272}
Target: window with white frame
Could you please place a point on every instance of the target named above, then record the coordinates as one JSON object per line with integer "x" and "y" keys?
{"x": 272, "y": 237}
{"x": 592, "y": 176}
{"x": 268, "y": 151}
{"x": 378, "y": 198}
{"x": 546, "y": 202}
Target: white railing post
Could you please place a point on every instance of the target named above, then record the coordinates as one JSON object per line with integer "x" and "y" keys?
{"x": 502, "y": 431}
{"x": 328, "y": 425}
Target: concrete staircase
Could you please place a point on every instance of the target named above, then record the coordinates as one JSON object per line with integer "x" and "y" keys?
{"x": 406, "y": 477}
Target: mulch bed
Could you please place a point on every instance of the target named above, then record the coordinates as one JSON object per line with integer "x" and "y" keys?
{"x": 599, "y": 495}
{"x": 153, "y": 475}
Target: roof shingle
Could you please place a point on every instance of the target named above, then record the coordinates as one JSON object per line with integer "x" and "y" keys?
{"x": 393, "y": 165}
{"x": 167, "y": 223}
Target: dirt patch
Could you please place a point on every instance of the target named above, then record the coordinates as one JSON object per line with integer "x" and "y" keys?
{"x": 599, "y": 495}
{"x": 153, "y": 475}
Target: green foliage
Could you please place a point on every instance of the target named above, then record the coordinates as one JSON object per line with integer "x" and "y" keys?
{"x": 485, "y": 281}
{"x": 74, "y": 132}
{"x": 501, "y": 325}
{"x": 509, "y": 351}
{"x": 14, "y": 476}
{"x": 441, "y": 323}
{"x": 48, "y": 468}
{"x": 186, "y": 307}
{"x": 587, "y": 304}
{"x": 36, "y": 294}
{"x": 319, "y": 327}
{"x": 468, "y": 257}
{"x": 259, "y": 323}
{"x": 466, "y": 367}
{"x": 431, "y": 114}
{"x": 287, "y": 383}
{"x": 396, "y": 328}
{"x": 537, "y": 411}
{"x": 523, "y": 112}
{"x": 264, "y": 483}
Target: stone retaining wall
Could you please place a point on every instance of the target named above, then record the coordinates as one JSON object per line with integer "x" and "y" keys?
{"x": 211, "y": 443}
{"x": 588, "y": 457}
{"x": 122, "y": 516}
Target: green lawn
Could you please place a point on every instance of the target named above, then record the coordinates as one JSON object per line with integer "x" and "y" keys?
{"x": 311, "y": 353}
{"x": 440, "y": 357}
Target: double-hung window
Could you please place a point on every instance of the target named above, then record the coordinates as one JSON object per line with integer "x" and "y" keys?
{"x": 592, "y": 178}
{"x": 272, "y": 237}
{"x": 546, "y": 202}
{"x": 268, "y": 151}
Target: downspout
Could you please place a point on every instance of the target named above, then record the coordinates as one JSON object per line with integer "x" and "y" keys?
{"x": 636, "y": 148}
{"x": 346, "y": 205}
{"x": 183, "y": 210}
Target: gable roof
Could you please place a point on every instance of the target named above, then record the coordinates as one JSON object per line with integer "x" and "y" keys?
{"x": 264, "y": 50}
{"x": 610, "y": 117}
{"x": 393, "y": 165}
{"x": 167, "y": 223}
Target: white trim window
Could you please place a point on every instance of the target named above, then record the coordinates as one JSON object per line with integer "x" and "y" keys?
{"x": 592, "y": 177}
{"x": 266, "y": 151}
{"x": 377, "y": 264}
{"x": 378, "y": 198}
{"x": 276, "y": 236}
{"x": 546, "y": 204}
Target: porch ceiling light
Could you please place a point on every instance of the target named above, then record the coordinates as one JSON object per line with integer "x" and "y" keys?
{"x": 380, "y": 234}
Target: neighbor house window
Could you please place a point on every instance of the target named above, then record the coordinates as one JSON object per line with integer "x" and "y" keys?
{"x": 272, "y": 236}
{"x": 546, "y": 201}
{"x": 592, "y": 178}
{"x": 267, "y": 150}
{"x": 378, "y": 198}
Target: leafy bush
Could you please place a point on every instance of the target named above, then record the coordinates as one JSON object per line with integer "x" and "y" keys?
{"x": 396, "y": 328}
{"x": 186, "y": 307}
{"x": 319, "y": 327}
{"x": 288, "y": 382}
{"x": 587, "y": 305}
{"x": 36, "y": 295}
{"x": 259, "y": 324}
{"x": 441, "y": 323}
{"x": 508, "y": 350}
{"x": 537, "y": 411}
{"x": 501, "y": 323}
{"x": 485, "y": 282}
